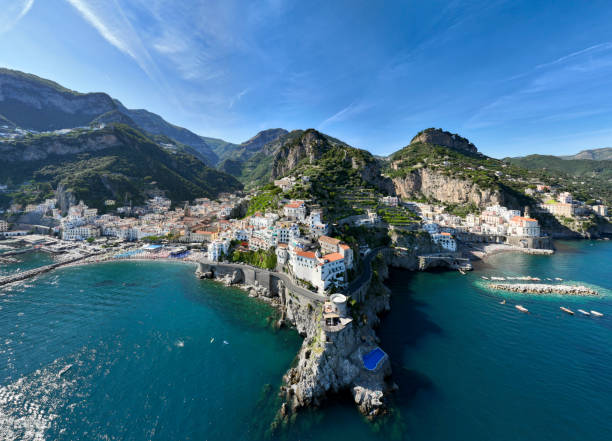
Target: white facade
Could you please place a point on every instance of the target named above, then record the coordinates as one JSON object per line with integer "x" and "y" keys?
{"x": 524, "y": 227}
{"x": 320, "y": 271}
{"x": 295, "y": 210}
{"x": 218, "y": 248}
{"x": 81, "y": 232}
{"x": 445, "y": 240}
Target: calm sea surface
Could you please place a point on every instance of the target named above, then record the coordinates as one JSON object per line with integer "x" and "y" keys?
{"x": 138, "y": 338}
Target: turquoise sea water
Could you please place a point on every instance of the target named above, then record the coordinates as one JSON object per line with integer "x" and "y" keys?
{"x": 25, "y": 262}
{"x": 138, "y": 337}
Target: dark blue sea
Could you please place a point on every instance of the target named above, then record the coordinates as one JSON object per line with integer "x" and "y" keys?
{"x": 145, "y": 351}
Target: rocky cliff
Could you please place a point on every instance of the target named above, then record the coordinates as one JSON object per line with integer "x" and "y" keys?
{"x": 444, "y": 139}
{"x": 40, "y": 148}
{"x": 434, "y": 185}
{"x": 307, "y": 148}
{"x": 330, "y": 359}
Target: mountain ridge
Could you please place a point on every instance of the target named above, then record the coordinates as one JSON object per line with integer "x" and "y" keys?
{"x": 39, "y": 104}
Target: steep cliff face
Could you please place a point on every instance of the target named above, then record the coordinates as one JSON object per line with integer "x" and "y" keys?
{"x": 41, "y": 148}
{"x": 34, "y": 103}
{"x": 445, "y": 139}
{"x": 307, "y": 148}
{"x": 435, "y": 185}
{"x": 65, "y": 198}
{"x": 331, "y": 361}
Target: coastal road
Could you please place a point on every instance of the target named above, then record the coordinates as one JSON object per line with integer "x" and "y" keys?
{"x": 366, "y": 272}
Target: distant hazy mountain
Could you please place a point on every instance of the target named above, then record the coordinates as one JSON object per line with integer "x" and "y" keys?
{"x": 35, "y": 103}
{"x": 244, "y": 151}
{"x": 595, "y": 154}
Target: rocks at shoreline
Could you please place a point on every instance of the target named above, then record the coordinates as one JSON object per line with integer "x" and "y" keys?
{"x": 540, "y": 288}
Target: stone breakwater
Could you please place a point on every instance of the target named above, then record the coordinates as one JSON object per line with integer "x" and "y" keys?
{"x": 539, "y": 288}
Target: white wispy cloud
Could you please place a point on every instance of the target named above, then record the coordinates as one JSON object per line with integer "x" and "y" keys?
{"x": 346, "y": 113}
{"x": 108, "y": 18}
{"x": 572, "y": 86}
{"x": 11, "y": 11}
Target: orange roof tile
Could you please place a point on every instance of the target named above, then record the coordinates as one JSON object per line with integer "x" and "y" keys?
{"x": 332, "y": 257}
{"x": 329, "y": 240}
{"x": 306, "y": 254}
{"x": 345, "y": 246}
{"x": 294, "y": 205}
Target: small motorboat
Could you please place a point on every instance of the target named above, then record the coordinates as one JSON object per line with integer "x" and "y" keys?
{"x": 212, "y": 340}
{"x": 583, "y": 312}
{"x": 64, "y": 370}
{"x": 564, "y": 309}
{"x": 484, "y": 277}
{"x": 559, "y": 279}
{"x": 521, "y": 308}
{"x": 503, "y": 302}
{"x": 596, "y": 314}
{"x": 225, "y": 342}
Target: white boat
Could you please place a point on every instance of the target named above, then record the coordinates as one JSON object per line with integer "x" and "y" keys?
{"x": 564, "y": 309}
{"x": 225, "y": 342}
{"x": 558, "y": 279}
{"x": 503, "y": 302}
{"x": 521, "y": 308}
{"x": 484, "y": 277}
{"x": 596, "y": 314}
{"x": 583, "y": 312}
{"x": 64, "y": 370}
{"x": 212, "y": 339}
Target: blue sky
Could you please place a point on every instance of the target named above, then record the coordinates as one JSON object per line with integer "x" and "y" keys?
{"x": 515, "y": 77}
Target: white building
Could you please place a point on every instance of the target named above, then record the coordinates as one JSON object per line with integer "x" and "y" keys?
{"x": 524, "y": 227}
{"x": 601, "y": 210}
{"x": 445, "y": 240}
{"x": 218, "y": 248}
{"x": 565, "y": 198}
{"x": 81, "y": 232}
{"x": 320, "y": 271}
{"x": 392, "y": 201}
{"x": 295, "y": 210}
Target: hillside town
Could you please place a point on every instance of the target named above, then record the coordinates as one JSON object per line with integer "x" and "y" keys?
{"x": 291, "y": 237}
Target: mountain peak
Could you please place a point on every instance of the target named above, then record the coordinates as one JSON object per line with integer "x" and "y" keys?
{"x": 601, "y": 154}
{"x": 444, "y": 139}
{"x": 264, "y": 137}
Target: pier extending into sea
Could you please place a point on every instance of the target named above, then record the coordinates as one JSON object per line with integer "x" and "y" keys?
{"x": 22, "y": 275}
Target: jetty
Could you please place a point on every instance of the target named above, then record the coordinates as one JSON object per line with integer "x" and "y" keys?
{"x": 23, "y": 275}
{"x": 540, "y": 288}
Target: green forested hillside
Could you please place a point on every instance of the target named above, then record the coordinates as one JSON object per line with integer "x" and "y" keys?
{"x": 117, "y": 162}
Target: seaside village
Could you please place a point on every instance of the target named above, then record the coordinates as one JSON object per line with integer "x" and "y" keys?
{"x": 292, "y": 238}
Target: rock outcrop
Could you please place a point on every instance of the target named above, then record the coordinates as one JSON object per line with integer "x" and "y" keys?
{"x": 308, "y": 147}
{"x": 434, "y": 185}
{"x": 330, "y": 359}
{"x": 445, "y": 139}
{"x": 41, "y": 148}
